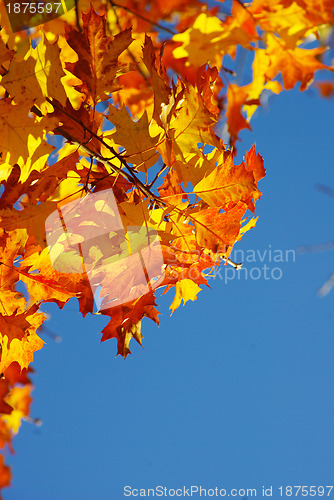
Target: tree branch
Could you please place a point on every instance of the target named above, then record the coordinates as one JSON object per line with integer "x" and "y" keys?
{"x": 131, "y": 177}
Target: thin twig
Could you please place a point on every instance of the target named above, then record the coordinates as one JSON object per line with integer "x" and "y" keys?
{"x": 32, "y": 420}
{"x": 86, "y": 129}
{"x": 229, "y": 71}
{"x": 131, "y": 177}
{"x": 157, "y": 176}
{"x": 327, "y": 286}
{"x": 77, "y": 16}
{"x": 160, "y": 26}
{"x": 54, "y": 336}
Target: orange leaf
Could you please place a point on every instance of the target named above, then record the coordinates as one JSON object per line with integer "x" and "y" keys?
{"x": 98, "y": 54}
{"x": 18, "y": 338}
{"x": 232, "y": 183}
{"x": 236, "y": 98}
{"x": 125, "y": 322}
{"x": 295, "y": 65}
{"x": 217, "y": 231}
{"x": 159, "y": 80}
{"x": 5, "y": 475}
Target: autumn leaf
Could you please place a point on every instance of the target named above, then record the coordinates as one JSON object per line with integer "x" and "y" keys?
{"x": 125, "y": 322}
{"x": 209, "y": 38}
{"x": 32, "y": 218}
{"x": 22, "y": 139}
{"x": 190, "y": 123}
{"x": 18, "y": 338}
{"x": 217, "y": 231}
{"x": 97, "y": 65}
{"x": 5, "y": 53}
{"x": 11, "y": 246}
{"x": 134, "y": 137}
{"x": 50, "y": 285}
{"x": 229, "y": 183}
{"x": 4, "y": 473}
{"x": 37, "y": 76}
{"x": 185, "y": 290}
{"x": 236, "y": 98}
{"x": 74, "y": 125}
{"x": 159, "y": 80}
{"x": 19, "y": 399}
{"x": 14, "y": 375}
{"x": 5, "y": 408}
{"x": 194, "y": 167}
{"x": 291, "y": 20}
{"x": 295, "y": 65}
{"x": 326, "y": 88}
{"x": 132, "y": 100}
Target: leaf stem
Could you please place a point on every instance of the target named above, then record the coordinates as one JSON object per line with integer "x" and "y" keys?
{"x": 233, "y": 264}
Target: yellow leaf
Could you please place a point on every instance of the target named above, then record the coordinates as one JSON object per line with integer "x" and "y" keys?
{"x": 228, "y": 182}
{"x": 295, "y": 65}
{"x": 209, "y": 38}
{"x": 190, "y": 123}
{"x": 37, "y": 76}
{"x": 134, "y": 137}
{"x": 291, "y": 20}
{"x": 5, "y": 53}
{"x": 18, "y": 338}
{"x": 22, "y": 139}
{"x": 159, "y": 79}
{"x": 249, "y": 225}
{"x": 32, "y": 218}
{"x": 185, "y": 290}
{"x": 19, "y": 399}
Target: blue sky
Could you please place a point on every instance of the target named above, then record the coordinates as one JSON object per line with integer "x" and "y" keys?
{"x": 232, "y": 391}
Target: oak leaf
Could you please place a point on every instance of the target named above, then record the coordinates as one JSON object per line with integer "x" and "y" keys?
{"x": 19, "y": 399}
{"x": 174, "y": 181}
{"x": 159, "y": 79}
{"x": 125, "y": 322}
{"x": 190, "y": 123}
{"x": 209, "y": 38}
{"x": 134, "y": 137}
{"x": 22, "y": 139}
{"x": 5, "y": 408}
{"x": 236, "y": 98}
{"x": 231, "y": 183}
{"x": 5, "y": 53}
{"x": 37, "y": 76}
{"x": 18, "y": 338}
{"x": 11, "y": 246}
{"x": 295, "y": 65}
{"x": 217, "y": 231}
{"x": 52, "y": 286}
{"x": 5, "y": 475}
{"x": 32, "y": 219}
{"x": 98, "y": 53}
{"x": 291, "y": 20}
{"x": 185, "y": 290}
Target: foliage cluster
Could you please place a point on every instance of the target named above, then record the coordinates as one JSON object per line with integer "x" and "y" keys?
{"x": 133, "y": 97}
